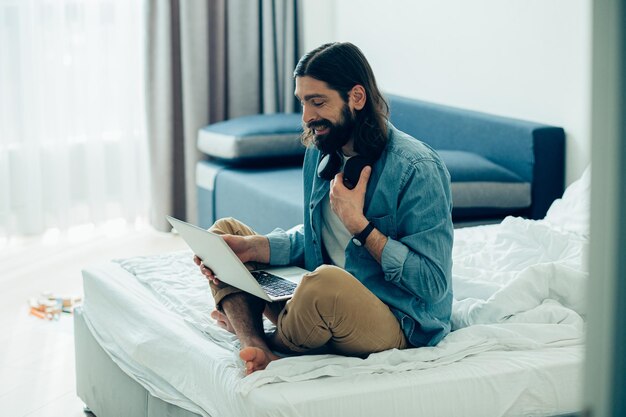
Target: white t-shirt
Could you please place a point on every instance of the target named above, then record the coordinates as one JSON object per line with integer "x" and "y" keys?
{"x": 335, "y": 236}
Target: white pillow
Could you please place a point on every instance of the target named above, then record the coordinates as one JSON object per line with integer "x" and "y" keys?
{"x": 571, "y": 213}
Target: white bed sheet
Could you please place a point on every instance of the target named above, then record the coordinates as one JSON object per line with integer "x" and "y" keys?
{"x": 517, "y": 349}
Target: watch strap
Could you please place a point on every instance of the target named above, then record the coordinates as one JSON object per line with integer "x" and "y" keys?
{"x": 360, "y": 238}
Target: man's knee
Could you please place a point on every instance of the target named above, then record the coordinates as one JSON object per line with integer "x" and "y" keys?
{"x": 230, "y": 226}
{"x": 321, "y": 290}
{"x": 307, "y": 320}
{"x": 326, "y": 280}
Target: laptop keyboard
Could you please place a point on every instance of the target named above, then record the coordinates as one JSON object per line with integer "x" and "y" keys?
{"x": 274, "y": 285}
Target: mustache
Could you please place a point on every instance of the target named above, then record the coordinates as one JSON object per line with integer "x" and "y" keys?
{"x": 318, "y": 124}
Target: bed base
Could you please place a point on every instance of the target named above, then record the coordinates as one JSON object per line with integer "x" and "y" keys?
{"x": 105, "y": 389}
{"x": 108, "y": 392}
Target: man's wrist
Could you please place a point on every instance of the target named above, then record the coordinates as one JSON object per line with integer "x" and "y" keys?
{"x": 261, "y": 247}
{"x": 360, "y": 238}
{"x": 358, "y": 226}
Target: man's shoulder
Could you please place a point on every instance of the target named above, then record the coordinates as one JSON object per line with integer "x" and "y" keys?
{"x": 403, "y": 146}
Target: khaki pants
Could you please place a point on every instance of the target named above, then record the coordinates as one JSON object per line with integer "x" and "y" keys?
{"x": 330, "y": 308}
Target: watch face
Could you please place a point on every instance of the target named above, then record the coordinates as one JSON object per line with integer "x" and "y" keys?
{"x": 356, "y": 241}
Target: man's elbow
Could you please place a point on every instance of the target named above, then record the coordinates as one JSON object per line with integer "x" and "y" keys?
{"x": 440, "y": 293}
{"x": 439, "y": 285}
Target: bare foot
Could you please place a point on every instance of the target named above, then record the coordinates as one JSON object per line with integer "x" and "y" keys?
{"x": 256, "y": 358}
{"x": 222, "y": 320}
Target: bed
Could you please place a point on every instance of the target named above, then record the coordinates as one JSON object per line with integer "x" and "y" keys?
{"x": 145, "y": 345}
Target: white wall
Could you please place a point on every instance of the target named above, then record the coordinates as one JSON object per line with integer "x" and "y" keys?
{"x": 528, "y": 59}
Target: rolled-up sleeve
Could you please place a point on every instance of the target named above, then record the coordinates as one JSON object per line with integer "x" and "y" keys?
{"x": 287, "y": 247}
{"x": 420, "y": 260}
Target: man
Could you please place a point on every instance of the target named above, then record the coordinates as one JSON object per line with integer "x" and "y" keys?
{"x": 380, "y": 252}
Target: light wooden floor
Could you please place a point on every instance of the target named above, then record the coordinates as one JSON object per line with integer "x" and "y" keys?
{"x": 37, "y": 375}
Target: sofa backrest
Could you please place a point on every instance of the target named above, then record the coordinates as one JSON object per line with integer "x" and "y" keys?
{"x": 534, "y": 151}
{"x": 505, "y": 141}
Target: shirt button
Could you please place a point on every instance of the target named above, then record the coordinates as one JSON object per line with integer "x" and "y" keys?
{"x": 311, "y": 206}
{"x": 314, "y": 241}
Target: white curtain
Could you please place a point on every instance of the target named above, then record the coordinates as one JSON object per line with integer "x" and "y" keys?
{"x": 72, "y": 114}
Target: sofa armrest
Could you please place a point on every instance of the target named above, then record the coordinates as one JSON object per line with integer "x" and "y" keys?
{"x": 548, "y": 169}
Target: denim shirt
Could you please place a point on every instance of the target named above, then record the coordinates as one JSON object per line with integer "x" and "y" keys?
{"x": 408, "y": 199}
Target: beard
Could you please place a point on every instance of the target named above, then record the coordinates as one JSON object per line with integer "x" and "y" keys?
{"x": 339, "y": 133}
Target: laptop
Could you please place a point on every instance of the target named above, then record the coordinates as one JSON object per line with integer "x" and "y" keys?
{"x": 270, "y": 284}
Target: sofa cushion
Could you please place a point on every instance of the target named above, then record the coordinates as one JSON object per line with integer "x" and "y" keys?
{"x": 261, "y": 198}
{"x": 256, "y": 136}
{"x": 480, "y": 183}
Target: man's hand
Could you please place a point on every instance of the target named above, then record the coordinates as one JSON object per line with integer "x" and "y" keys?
{"x": 247, "y": 248}
{"x": 207, "y": 272}
{"x": 348, "y": 204}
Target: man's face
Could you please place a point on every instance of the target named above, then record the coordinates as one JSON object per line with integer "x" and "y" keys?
{"x": 325, "y": 113}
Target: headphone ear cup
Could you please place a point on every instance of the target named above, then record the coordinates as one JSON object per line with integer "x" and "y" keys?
{"x": 329, "y": 166}
{"x": 352, "y": 170}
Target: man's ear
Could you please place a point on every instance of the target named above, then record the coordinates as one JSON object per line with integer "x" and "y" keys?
{"x": 358, "y": 97}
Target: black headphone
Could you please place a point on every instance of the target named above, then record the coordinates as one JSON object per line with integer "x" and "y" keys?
{"x": 330, "y": 164}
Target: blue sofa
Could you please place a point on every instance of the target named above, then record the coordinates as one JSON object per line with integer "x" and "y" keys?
{"x": 499, "y": 166}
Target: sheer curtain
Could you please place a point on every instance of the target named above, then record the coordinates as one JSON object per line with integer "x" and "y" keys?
{"x": 72, "y": 114}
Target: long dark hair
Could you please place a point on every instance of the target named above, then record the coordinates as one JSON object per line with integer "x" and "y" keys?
{"x": 342, "y": 65}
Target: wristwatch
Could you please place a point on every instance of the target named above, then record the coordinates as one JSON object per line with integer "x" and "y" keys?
{"x": 360, "y": 238}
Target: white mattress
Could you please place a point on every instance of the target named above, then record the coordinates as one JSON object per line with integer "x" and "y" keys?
{"x": 516, "y": 349}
